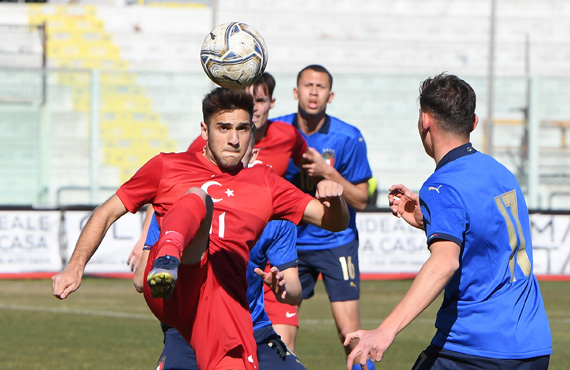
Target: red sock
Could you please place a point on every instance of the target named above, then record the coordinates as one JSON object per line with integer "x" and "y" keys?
{"x": 180, "y": 225}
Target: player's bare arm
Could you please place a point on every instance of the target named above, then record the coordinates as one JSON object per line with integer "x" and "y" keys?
{"x": 139, "y": 279}
{"x": 285, "y": 284}
{"x": 315, "y": 166}
{"x": 329, "y": 211}
{"x": 135, "y": 255}
{"x": 294, "y": 289}
{"x": 406, "y": 204}
{"x": 428, "y": 284}
{"x": 273, "y": 279}
{"x": 69, "y": 280}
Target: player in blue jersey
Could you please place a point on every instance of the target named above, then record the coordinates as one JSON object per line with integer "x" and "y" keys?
{"x": 477, "y": 225}
{"x": 337, "y": 151}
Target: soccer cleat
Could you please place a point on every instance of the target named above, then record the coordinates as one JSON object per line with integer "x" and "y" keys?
{"x": 162, "y": 278}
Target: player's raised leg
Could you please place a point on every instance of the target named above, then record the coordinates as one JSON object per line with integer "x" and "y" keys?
{"x": 184, "y": 238}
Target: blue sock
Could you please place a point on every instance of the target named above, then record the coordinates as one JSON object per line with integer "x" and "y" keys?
{"x": 369, "y": 366}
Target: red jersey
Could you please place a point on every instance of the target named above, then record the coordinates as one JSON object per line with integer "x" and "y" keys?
{"x": 244, "y": 201}
{"x": 281, "y": 143}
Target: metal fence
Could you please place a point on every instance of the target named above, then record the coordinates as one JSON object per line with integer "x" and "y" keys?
{"x": 96, "y": 128}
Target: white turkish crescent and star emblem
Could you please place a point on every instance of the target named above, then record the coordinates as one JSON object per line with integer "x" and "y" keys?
{"x": 229, "y": 192}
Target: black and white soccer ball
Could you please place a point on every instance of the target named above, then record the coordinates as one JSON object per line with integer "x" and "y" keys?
{"x": 233, "y": 55}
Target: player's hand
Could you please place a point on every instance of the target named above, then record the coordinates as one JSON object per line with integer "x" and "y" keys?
{"x": 406, "y": 204}
{"x": 274, "y": 279}
{"x": 327, "y": 190}
{"x": 314, "y": 165}
{"x": 135, "y": 255}
{"x": 371, "y": 344}
{"x": 66, "y": 282}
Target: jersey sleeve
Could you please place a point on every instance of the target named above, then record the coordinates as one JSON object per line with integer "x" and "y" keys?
{"x": 282, "y": 251}
{"x": 197, "y": 145}
{"x": 355, "y": 166}
{"x": 300, "y": 146}
{"x": 289, "y": 202}
{"x": 444, "y": 216}
{"x": 143, "y": 186}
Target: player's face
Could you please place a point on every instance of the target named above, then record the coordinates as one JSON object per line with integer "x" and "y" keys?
{"x": 313, "y": 92}
{"x": 250, "y": 154}
{"x": 263, "y": 103}
{"x": 227, "y": 135}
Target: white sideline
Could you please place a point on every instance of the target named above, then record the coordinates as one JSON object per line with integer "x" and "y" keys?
{"x": 17, "y": 307}
{"x": 126, "y": 315}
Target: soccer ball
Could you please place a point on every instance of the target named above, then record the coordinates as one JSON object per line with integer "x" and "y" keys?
{"x": 233, "y": 55}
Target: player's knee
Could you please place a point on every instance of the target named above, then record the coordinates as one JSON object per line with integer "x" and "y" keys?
{"x": 206, "y": 199}
{"x": 203, "y": 195}
{"x": 199, "y": 192}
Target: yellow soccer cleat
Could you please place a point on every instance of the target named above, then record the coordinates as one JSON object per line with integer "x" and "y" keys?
{"x": 162, "y": 278}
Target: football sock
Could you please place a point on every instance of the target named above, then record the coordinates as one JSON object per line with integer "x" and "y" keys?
{"x": 180, "y": 225}
{"x": 369, "y": 366}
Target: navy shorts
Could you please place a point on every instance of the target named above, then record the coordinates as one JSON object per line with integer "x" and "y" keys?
{"x": 177, "y": 353}
{"x": 339, "y": 268}
{"x": 435, "y": 358}
{"x": 272, "y": 353}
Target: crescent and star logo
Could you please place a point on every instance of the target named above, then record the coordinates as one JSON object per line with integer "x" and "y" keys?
{"x": 256, "y": 162}
{"x": 206, "y": 186}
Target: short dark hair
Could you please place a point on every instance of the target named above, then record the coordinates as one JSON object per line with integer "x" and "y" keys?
{"x": 451, "y": 101}
{"x": 316, "y": 68}
{"x": 266, "y": 81}
{"x": 222, "y": 100}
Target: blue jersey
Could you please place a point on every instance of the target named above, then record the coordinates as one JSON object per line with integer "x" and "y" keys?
{"x": 492, "y": 306}
{"x": 277, "y": 243}
{"x": 343, "y": 147}
{"x": 153, "y": 233}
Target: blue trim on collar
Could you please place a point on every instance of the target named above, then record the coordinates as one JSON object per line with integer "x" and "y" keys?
{"x": 458, "y": 152}
{"x": 324, "y": 128}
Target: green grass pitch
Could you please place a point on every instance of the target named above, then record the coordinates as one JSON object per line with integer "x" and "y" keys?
{"x": 107, "y": 325}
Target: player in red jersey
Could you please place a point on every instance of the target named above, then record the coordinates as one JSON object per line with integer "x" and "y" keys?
{"x": 276, "y": 143}
{"x": 191, "y": 194}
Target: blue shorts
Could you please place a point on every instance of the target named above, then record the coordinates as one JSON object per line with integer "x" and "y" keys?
{"x": 339, "y": 268}
{"x": 435, "y": 358}
{"x": 177, "y": 353}
{"x": 272, "y": 353}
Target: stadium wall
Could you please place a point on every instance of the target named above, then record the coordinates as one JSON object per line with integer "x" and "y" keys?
{"x": 378, "y": 51}
{"x": 37, "y": 243}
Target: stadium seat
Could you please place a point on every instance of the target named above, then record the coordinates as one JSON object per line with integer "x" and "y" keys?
{"x": 78, "y": 40}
